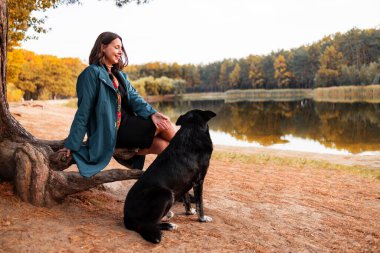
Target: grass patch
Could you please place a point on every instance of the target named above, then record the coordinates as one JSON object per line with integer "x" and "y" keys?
{"x": 295, "y": 162}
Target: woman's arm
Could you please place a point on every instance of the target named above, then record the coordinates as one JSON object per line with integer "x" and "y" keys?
{"x": 86, "y": 91}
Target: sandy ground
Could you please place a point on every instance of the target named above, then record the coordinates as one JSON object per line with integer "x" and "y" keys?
{"x": 256, "y": 206}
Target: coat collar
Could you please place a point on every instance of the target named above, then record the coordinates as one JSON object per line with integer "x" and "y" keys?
{"x": 103, "y": 76}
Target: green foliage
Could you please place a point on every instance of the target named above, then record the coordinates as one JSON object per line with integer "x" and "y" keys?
{"x": 158, "y": 86}
{"x": 364, "y": 75}
{"x": 139, "y": 85}
{"x": 179, "y": 86}
{"x": 304, "y": 65}
{"x": 152, "y": 87}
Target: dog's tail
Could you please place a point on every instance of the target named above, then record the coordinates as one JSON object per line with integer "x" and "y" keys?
{"x": 149, "y": 231}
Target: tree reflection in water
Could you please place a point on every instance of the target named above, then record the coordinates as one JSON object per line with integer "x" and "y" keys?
{"x": 354, "y": 127}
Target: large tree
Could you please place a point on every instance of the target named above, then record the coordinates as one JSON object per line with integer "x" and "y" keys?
{"x": 35, "y": 166}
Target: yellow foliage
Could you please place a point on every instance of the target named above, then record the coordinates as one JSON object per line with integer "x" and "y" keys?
{"x": 43, "y": 76}
{"x": 281, "y": 74}
{"x": 14, "y": 94}
{"x": 15, "y": 62}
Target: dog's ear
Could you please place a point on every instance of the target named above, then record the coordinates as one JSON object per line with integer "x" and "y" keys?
{"x": 195, "y": 117}
{"x": 207, "y": 115}
{"x": 182, "y": 120}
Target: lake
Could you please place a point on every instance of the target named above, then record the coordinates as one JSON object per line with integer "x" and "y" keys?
{"x": 305, "y": 125}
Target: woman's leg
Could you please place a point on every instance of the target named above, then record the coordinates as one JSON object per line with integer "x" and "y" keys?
{"x": 157, "y": 147}
{"x": 160, "y": 141}
{"x": 167, "y": 134}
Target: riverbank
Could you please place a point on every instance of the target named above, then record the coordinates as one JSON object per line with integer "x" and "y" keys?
{"x": 368, "y": 93}
{"x": 261, "y": 200}
{"x": 345, "y": 94}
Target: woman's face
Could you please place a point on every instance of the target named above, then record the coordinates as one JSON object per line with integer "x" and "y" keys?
{"x": 112, "y": 52}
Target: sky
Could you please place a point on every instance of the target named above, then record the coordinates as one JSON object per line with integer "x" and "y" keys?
{"x": 200, "y": 31}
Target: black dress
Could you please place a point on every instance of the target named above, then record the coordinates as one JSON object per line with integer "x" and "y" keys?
{"x": 134, "y": 131}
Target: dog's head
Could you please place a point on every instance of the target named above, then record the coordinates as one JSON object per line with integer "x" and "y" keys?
{"x": 195, "y": 117}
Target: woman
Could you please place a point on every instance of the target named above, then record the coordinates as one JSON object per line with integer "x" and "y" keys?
{"x": 111, "y": 112}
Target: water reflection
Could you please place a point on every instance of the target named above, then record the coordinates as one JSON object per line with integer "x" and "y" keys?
{"x": 352, "y": 127}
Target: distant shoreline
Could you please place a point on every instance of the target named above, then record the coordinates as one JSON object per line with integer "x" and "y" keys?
{"x": 343, "y": 94}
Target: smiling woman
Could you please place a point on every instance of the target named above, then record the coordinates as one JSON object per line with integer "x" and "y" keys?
{"x": 112, "y": 113}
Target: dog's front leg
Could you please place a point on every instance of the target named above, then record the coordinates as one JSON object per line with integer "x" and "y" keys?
{"x": 198, "y": 195}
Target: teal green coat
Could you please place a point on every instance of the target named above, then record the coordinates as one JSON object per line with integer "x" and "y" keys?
{"x": 96, "y": 116}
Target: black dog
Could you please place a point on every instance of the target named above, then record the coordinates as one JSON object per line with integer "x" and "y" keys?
{"x": 181, "y": 166}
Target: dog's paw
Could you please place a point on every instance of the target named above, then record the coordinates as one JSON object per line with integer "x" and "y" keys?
{"x": 173, "y": 226}
{"x": 168, "y": 216}
{"x": 205, "y": 219}
{"x": 191, "y": 211}
{"x": 167, "y": 226}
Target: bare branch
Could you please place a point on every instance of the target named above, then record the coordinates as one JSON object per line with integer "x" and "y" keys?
{"x": 121, "y": 3}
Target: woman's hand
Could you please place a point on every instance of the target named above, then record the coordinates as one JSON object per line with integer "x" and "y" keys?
{"x": 161, "y": 121}
{"x": 68, "y": 151}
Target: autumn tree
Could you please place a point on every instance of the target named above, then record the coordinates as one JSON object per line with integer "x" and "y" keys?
{"x": 281, "y": 73}
{"x": 234, "y": 77}
{"x": 304, "y": 65}
{"x": 267, "y": 64}
{"x": 191, "y": 75}
{"x": 222, "y": 79}
{"x": 330, "y": 70}
{"x": 42, "y": 76}
{"x": 255, "y": 73}
{"x": 33, "y": 165}
{"x": 30, "y": 74}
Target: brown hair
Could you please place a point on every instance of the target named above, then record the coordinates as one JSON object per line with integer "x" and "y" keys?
{"x": 96, "y": 54}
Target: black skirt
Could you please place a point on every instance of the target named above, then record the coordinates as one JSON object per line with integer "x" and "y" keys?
{"x": 135, "y": 132}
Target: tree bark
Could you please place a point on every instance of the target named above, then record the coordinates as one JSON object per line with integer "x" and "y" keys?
{"x": 36, "y": 167}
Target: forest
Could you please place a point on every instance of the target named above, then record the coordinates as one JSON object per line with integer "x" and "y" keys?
{"x": 351, "y": 58}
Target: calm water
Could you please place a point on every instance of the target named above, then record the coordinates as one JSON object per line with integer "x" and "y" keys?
{"x": 337, "y": 128}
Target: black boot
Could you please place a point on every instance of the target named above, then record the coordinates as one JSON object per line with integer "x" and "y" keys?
{"x": 137, "y": 162}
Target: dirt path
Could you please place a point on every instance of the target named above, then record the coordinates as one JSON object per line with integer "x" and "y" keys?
{"x": 256, "y": 207}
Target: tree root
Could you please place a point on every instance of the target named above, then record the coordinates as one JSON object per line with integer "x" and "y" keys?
{"x": 40, "y": 180}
